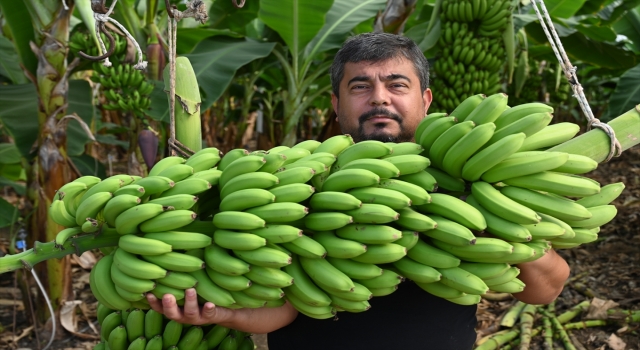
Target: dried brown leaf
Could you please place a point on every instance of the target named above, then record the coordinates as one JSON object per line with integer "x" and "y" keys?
{"x": 616, "y": 343}
{"x": 598, "y": 309}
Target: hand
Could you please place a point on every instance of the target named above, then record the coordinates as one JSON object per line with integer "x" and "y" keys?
{"x": 192, "y": 313}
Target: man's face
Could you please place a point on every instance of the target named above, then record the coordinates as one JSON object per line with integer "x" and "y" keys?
{"x": 381, "y": 101}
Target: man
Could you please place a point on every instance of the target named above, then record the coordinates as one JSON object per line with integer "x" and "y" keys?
{"x": 380, "y": 92}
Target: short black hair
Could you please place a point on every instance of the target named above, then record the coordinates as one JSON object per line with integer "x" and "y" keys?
{"x": 378, "y": 47}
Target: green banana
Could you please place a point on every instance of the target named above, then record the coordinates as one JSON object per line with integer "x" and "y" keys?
{"x": 128, "y": 283}
{"x": 90, "y": 207}
{"x": 381, "y": 253}
{"x": 433, "y": 131}
{"x": 102, "y": 279}
{"x": 309, "y": 145}
{"x": 489, "y": 109}
{"x": 455, "y": 159}
{"x": 369, "y": 233}
{"x": 143, "y": 246}
{"x": 243, "y": 165}
{"x": 601, "y": 215}
{"x": 168, "y": 220}
{"x": 191, "y": 186}
{"x": 335, "y": 144}
{"x": 303, "y": 287}
{"x": 307, "y": 247}
{"x": 329, "y": 200}
{"x": 510, "y": 115}
{"x": 298, "y": 175}
{"x": 363, "y": 149}
{"x": 178, "y": 280}
{"x": 109, "y": 323}
{"x": 181, "y": 240}
{"x": 456, "y": 210}
{"x": 278, "y": 233}
{"x": 429, "y": 255}
{"x": 440, "y": 290}
{"x": 404, "y": 148}
{"x": 321, "y": 271}
{"x": 607, "y": 194}
{"x": 343, "y": 180}
{"x": 560, "y": 208}
{"x": 264, "y": 256}
{"x": 212, "y": 176}
{"x": 219, "y": 259}
{"x": 171, "y": 334}
{"x": 293, "y": 193}
{"x": 237, "y": 220}
{"x": 132, "y": 190}
{"x": 489, "y": 157}
{"x": 416, "y": 194}
{"x": 175, "y": 261}
{"x": 210, "y": 291}
{"x": 191, "y": 339}
{"x": 444, "y": 142}
{"x": 59, "y": 214}
{"x": 413, "y": 220}
{"x": 155, "y": 184}
{"x": 467, "y": 106}
{"x": 409, "y": 163}
{"x": 463, "y": 281}
{"x": 499, "y": 204}
{"x": 513, "y": 286}
{"x": 238, "y": 240}
{"x": 270, "y": 277}
{"x": 264, "y": 293}
{"x": 577, "y": 164}
{"x": 450, "y": 232}
{"x": 294, "y": 154}
{"x": 505, "y": 229}
{"x": 178, "y": 201}
{"x": 528, "y": 125}
{"x": 118, "y": 338}
{"x": 127, "y": 222}
{"x": 354, "y": 269}
{"x": 107, "y": 185}
{"x": 485, "y": 271}
{"x": 416, "y": 271}
{"x": 177, "y": 172}
{"x": 421, "y": 179}
{"x": 135, "y": 325}
{"x": 275, "y": 213}
{"x": 446, "y": 181}
{"x": 230, "y": 283}
{"x": 558, "y": 183}
{"x": 250, "y": 180}
{"x": 484, "y": 249}
{"x": 550, "y": 136}
{"x": 204, "y": 161}
{"x": 338, "y": 247}
{"x": 409, "y": 239}
{"x": 524, "y": 163}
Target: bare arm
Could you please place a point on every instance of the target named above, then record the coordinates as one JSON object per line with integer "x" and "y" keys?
{"x": 544, "y": 278}
{"x": 263, "y": 320}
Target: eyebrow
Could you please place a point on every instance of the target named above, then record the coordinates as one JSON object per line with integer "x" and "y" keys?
{"x": 365, "y": 78}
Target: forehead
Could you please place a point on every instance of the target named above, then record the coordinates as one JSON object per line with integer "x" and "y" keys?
{"x": 399, "y": 65}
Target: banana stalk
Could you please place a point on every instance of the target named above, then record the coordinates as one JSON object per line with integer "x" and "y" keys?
{"x": 510, "y": 318}
{"x": 560, "y": 331}
{"x": 45, "y": 251}
{"x": 526, "y": 323}
{"x": 585, "y": 324}
{"x": 187, "y": 104}
{"x": 573, "y": 312}
{"x": 547, "y": 333}
{"x": 595, "y": 143}
{"x": 497, "y": 341}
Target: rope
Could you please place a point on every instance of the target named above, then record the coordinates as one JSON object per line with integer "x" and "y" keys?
{"x": 615, "y": 149}
{"x": 197, "y": 10}
{"x": 104, "y": 18}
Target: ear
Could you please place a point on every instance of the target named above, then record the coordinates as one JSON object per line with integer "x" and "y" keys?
{"x": 426, "y": 99}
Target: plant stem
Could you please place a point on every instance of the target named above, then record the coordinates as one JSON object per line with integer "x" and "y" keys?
{"x": 595, "y": 144}
{"x": 45, "y": 251}
{"x": 510, "y": 318}
{"x": 573, "y": 312}
{"x": 498, "y": 340}
{"x": 547, "y": 333}
{"x": 568, "y": 345}
{"x": 526, "y": 323}
{"x": 585, "y": 324}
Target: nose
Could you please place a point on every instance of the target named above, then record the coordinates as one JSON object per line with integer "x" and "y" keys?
{"x": 379, "y": 96}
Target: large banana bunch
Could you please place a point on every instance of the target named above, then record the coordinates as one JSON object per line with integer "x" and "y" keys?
{"x": 329, "y": 225}
{"x": 137, "y": 329}
{"x": 472, "y": 49}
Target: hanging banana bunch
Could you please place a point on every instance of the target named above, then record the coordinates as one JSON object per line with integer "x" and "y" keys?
{"x": 472, "y": 50}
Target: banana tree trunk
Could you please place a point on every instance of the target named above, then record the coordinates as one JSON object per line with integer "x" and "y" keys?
{"x": 51, "y": 170}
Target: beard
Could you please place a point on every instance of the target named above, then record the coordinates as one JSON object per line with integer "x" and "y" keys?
{"x": 378, "y": 133}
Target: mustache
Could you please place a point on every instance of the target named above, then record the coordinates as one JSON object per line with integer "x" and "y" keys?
{"x": 378, "y": 111}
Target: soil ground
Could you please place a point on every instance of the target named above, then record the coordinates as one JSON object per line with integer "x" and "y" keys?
{"x": 608, "y": 269}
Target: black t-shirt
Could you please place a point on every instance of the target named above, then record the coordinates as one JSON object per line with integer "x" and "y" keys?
{"x": 409, "y": 318}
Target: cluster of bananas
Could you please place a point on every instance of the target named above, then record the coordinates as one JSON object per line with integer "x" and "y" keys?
{"x": 329, "y": 225}
{"x": 82, "y": 41}
{"x": 472, "y": 49}
{"x": 124, "y": 87}
{"x": 540, "y": 85}
{"x": 136, "y": 329}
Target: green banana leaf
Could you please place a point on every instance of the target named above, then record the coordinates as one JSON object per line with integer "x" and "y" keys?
{"x": 8, "y": 213}
{"x": 224, "y": 16}
{"x": 88, "y": 165}
{"x": 10, "y": 62}
{"x": 19, "y": 22}
{"x": 425, "y": 41}
{"x": 80, "y": 102}
{"x": 626, "y": 94}
{"x": 19, "y": 114}
{"x": 629, "y": 25}
{"x": 296, "y": 21}
{"x": 215, "y": 61}
{"x": 343, "y": 16}
{"x": 9, "y": 153}
{"x": 580, "y": 47}
{"x": 563, "y": 8}
{"x": 188, "y": 38}
{"x": 20, "y": 189}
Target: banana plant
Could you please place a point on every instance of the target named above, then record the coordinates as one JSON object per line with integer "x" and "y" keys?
{"x": 41, "y": 33}
{"x": 309, "y": 29}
